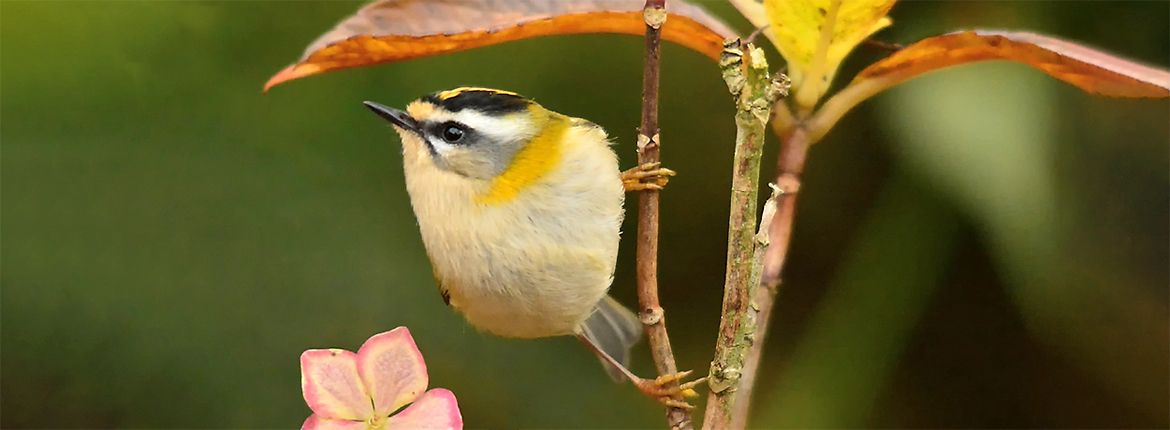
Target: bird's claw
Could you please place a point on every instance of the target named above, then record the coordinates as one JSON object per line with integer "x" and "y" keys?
{"x": 666, "y": 391}
{"x": 648, "y": 176}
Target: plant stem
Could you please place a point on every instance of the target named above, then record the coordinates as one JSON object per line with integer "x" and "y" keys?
{"x": 652, "y": 315}
{"x": 762, "y": 303}
{"x": 793, "y": 150}
{"x": 794, "y": 145}
{"x": 754, "y": 92}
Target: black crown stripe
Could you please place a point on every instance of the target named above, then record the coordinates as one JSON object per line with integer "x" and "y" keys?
{"x": 486, "y": 101}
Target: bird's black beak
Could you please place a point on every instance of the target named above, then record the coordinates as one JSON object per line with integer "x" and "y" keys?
{"x": 399, "y": 118}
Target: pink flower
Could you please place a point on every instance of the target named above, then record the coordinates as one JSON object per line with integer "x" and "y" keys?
{"x": 348, "y": 391}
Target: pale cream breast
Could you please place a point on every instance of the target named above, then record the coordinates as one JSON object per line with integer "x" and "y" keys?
{"x": 532, "y": 266}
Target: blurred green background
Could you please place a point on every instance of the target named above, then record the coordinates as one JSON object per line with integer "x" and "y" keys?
{"x": 982, "y": 247}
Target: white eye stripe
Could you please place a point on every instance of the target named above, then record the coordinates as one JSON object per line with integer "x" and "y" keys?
{"x": 505, "y": 128}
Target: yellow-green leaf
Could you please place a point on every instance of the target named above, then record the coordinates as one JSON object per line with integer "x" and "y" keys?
{"x": 814, "y": 36}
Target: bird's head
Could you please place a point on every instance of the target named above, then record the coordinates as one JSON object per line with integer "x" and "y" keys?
{"x": 471, "y": 131}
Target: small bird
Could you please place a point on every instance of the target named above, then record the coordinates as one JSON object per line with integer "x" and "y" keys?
{"x": 520, "y": 210}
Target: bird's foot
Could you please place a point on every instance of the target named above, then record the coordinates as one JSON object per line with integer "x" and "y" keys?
{"x": 648, "y": 176}
{"x": 668, "y": 391}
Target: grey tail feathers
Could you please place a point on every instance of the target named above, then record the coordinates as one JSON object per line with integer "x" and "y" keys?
{"x": 614, "y": 329}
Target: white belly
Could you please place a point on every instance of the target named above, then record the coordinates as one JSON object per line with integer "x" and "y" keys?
{"x": 534, "y": 266}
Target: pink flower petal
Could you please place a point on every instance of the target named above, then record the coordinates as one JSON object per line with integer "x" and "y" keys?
{"x": 393, "y": 370}
{"x": 435, "y": 410}
{"x": 317, "y": 423}
{"x": 332, "y": 387}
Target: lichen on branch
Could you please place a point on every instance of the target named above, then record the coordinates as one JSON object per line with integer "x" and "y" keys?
{"x": 755, "y": 90}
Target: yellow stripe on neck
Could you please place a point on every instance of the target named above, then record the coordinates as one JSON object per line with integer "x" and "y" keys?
{"x": 532, "y": 162}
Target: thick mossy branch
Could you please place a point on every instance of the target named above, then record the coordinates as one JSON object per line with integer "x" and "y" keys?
{"x": 745, "y": 70}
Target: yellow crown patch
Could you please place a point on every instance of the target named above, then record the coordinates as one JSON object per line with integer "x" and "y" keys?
{"x": 444, "y": 95}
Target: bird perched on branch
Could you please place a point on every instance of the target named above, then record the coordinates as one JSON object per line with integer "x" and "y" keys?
{"x": 520, "y": 209}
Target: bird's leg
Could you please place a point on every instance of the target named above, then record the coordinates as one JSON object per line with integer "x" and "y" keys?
{"x": 659, "y": 388}
{"x": 649, "y": 176}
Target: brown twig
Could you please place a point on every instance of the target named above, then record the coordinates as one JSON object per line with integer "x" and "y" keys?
{"x": 790, "y": 164}
{"x": 765, "y": 297}
{"x": 752, "y": 37}
{"x": 652, "y": 315}
{"x": 754, "y": 92}
{"x": 794, "y": 145}
{"x": 885, "y": 46}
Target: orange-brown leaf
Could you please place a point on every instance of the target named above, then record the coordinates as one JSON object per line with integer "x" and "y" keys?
{"x": 396, "y": 30}
{"x": 1088, "y": 69}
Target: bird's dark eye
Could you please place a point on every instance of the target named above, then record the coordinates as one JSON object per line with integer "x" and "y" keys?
{"x": 453, "y": 132}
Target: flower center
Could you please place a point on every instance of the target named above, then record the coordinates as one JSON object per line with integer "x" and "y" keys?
{"x": 376, "y": 423}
